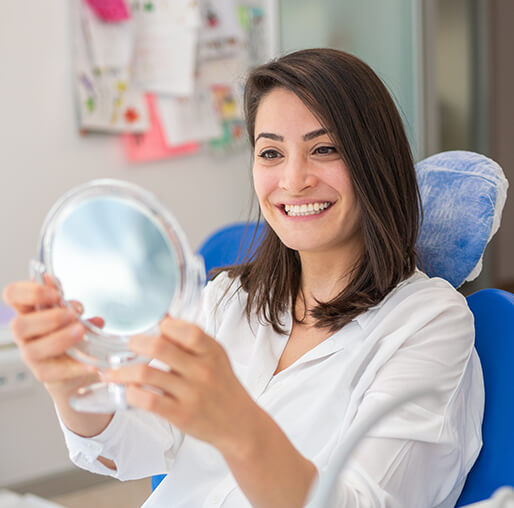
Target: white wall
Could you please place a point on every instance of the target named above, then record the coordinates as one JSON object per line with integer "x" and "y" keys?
{"x": 41, "y": 156}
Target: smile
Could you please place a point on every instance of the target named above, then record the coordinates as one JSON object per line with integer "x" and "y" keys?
{"x": 306, "y": 209}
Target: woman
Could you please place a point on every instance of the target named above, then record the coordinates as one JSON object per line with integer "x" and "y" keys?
{"x": 329, "y": 320}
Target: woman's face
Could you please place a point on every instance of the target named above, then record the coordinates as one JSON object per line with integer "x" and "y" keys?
{"x": 302, "y": 183}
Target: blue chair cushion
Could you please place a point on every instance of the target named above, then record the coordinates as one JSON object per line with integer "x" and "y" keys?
{"x": 494, "y": 327}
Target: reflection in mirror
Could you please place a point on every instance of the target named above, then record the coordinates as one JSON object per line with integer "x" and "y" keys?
{"x": 113, "y": 259}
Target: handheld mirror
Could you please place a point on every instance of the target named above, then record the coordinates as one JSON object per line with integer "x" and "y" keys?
{"x": 114, "y": 248}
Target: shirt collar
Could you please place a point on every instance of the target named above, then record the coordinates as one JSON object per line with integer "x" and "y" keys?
{"x": 363, "y": 318}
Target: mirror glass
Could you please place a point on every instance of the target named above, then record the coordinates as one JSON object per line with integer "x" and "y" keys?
{"x": 115, "y": 249}
{"x": 117, "y": 262}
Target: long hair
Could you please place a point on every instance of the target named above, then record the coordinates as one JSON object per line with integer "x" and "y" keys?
{"x": 354, "y": 106}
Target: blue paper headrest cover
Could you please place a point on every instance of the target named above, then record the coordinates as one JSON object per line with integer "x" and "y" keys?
{"x": 463, "y": 194}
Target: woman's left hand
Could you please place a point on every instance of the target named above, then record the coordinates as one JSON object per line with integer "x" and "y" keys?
{"x": 200, "y": 394}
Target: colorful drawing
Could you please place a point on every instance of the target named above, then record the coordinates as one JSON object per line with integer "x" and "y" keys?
{"x": 131, "y": 115}
{"x": 152, "y": 145}
{"x": 232, "y": 122}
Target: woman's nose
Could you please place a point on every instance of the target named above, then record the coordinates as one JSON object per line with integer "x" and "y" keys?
{"x": 296, "y": 175}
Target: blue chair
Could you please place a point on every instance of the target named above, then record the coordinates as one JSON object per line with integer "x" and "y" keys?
{"x": 494, "y": 340}
{"x": 463, "y": 195}
{"x": 231, "y": 244}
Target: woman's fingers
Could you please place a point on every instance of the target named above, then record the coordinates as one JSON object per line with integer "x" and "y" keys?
{"x": 76, "y": 306}
{"x": 147, "y": 376}
{"x": 62, "y": 369}
{"x": 51, "y": 281}
{"x": 152, "y": 401}
{"x": 27, "y": 295}
{"x": 160, "y": 348}
{"x": 97, "y": 321}
{"x": 53, "y": 344}
{"x": 34, "y": 324}
{"x": 187, "y": 335}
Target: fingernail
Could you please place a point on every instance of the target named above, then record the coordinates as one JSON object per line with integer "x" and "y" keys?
{"x": 105, "y": 375}
{"x": 77, "y": 330}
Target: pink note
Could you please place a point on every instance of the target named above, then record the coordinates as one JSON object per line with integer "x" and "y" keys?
{"x": 110, "y": 10}
{"x": 152, "y": 145}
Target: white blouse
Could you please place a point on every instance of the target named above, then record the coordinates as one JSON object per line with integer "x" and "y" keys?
{"x": 417, "y": 457}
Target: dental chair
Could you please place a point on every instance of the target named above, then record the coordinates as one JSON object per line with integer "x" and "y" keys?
{"x": 231, "y": 244}
{"x": 463, "y": 194}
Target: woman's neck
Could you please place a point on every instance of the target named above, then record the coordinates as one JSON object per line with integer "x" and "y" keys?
{"x": 326, "y": 274}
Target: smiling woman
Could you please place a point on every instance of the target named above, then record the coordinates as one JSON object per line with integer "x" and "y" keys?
{"x": 294, "y": 349}
{"x": 325, "y": 131}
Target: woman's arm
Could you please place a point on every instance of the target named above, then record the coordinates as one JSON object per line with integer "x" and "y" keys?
{"x": 202, "y": 396}
{"x": 420, "y": 454}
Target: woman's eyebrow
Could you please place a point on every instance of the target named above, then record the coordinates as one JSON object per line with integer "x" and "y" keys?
{"x": 306, "y": 137}
{"x": 269, "y": 135}
{"x": 314, "y": 134}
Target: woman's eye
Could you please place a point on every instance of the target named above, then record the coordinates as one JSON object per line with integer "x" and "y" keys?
{"x": 325, "y": 150}
{"x": 269, "y": 154}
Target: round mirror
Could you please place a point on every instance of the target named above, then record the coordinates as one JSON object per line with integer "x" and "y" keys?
{"x": 113, "y": 248}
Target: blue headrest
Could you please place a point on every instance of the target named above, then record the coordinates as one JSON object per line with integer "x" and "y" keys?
{"x": 463, "y": 194}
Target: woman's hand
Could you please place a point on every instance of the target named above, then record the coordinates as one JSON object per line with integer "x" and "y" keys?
{"x": 44, "y": 331}
{"x": 200, "y": 394}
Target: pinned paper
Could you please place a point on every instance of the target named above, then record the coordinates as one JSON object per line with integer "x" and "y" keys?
{"x": 106, "y": 101}
{"x": 165, "y": 46}
{"x": 152, "y": 144}
{"x": 229, "y": 111}
{"x": 110, "y": 10}
{"x": 190, "y": 119}
{"x": 221, "y": 32}
{"x": 106, "y": 45}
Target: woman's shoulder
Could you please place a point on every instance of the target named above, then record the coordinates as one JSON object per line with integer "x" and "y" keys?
{"x": 421, "y": 298}
{"x": 420, "y": 287}
{"x": 221, "y": 287}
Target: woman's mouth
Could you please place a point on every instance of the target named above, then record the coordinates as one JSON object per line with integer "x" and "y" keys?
{"x": 306, "y": 209}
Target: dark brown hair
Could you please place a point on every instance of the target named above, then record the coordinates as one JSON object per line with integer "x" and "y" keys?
{"x": 354, "y": 106}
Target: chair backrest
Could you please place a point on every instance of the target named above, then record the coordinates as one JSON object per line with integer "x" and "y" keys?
{"x": 230, "y": 244}
{"x": 494, "y": 325}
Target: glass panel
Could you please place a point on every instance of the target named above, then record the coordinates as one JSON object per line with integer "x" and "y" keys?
{"x": 382, "y": 33}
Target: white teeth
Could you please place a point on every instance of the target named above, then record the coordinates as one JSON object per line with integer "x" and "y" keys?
{"x": 302, "y": 210}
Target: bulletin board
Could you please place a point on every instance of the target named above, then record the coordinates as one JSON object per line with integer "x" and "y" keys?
{"x": 166, "y": 76}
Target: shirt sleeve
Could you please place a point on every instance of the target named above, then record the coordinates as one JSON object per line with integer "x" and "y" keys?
{"x": 140, "y": 444}
{"x": 420, "y": 454}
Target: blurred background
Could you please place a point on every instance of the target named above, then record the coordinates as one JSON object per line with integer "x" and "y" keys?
{"x": 448, "y": 64}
